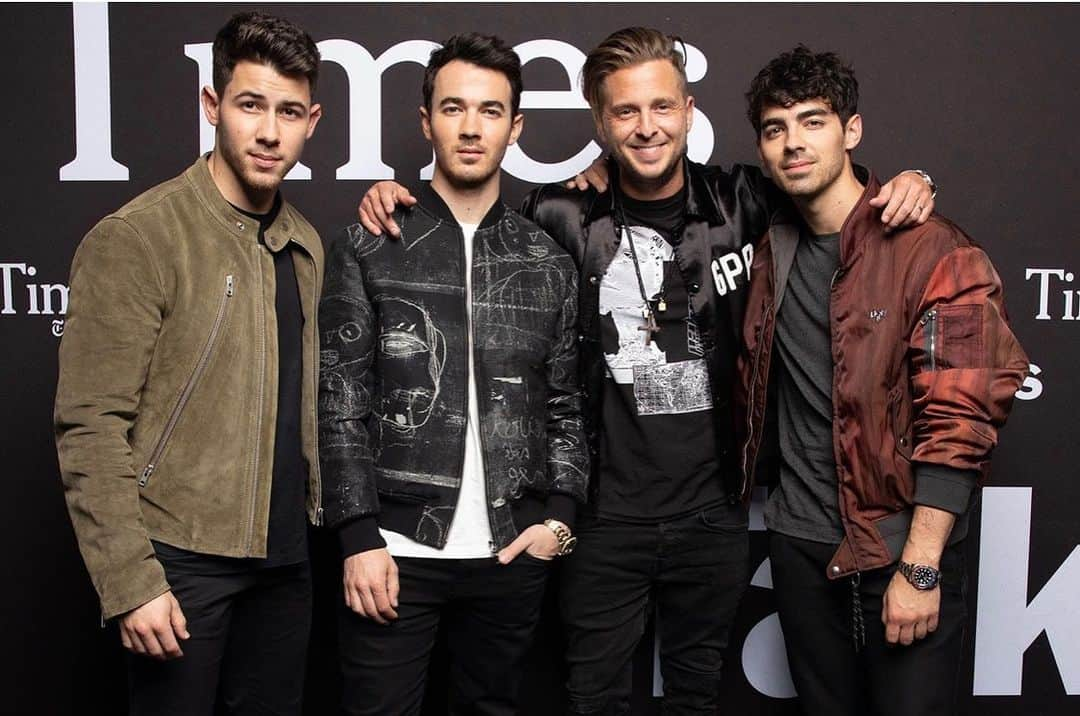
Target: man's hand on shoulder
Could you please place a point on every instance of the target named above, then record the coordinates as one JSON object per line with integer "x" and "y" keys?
{"x": 595, "y": 175}
{"x": 153, "y": 629}
{"x": 378, "y": 205}
{"x": 908, "y": 199}
{"x": 371, "y": 585}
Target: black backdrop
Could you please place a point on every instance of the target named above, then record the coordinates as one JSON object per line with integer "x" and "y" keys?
{"x": 984, "y": 97}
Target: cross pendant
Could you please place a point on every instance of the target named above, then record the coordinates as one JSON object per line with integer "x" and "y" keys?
{"x": 650, "y": 327}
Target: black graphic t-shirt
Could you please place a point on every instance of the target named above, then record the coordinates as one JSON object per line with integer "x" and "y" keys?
{"x": 657, "y": 456}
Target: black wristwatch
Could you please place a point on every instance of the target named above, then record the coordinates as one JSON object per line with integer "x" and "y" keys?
{"x": 921, "y": 576}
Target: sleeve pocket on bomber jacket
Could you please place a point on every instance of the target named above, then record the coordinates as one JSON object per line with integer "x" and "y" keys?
{"x": 961, "y": 338}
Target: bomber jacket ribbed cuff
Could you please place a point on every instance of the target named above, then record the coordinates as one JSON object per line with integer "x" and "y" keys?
{"x": 943, "y": 487}
{"x": 561, "y": 507}
{"x": 360, "y": 535}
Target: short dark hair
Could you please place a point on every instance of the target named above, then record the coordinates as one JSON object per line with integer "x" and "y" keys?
{"x": 485, "y": 51}
{"x": 801, "y": 75}
{"x": 624, "y": 48}
{"x": 268, "y": 40}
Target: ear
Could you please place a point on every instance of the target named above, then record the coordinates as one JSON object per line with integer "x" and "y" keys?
{"x": 689, "y": 113}
{"x": 853, "y": 132}
{"x": 425, "y": 123}
{"x": 210, "y": 104}
{"x": 314, "y": 115}
{"x": 516, "y": 125}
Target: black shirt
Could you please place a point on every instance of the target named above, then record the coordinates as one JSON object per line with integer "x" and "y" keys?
{"x": 806, "y": 504}
{"x": 657, "y": 458}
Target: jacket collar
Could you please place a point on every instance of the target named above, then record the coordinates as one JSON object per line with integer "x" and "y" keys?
{"x": 430, "y": 200}
{"x": 860, "y": 223}
{"x": 700, "y": 202}
{"x": 286, "y": 227}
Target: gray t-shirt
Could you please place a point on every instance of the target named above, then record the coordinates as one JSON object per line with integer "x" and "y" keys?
{"x": 806, "y": 503}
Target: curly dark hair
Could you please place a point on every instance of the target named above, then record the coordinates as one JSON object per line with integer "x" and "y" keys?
{"x": 485, "y": 51}
{"x": 266, "y": 39}
{"x": 800, "y": 75}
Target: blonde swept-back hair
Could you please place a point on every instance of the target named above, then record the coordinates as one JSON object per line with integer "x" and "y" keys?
{"x": 625, "y": 48}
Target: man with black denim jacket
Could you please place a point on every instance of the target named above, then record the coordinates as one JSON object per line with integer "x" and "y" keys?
{"x": 451, "y": 439}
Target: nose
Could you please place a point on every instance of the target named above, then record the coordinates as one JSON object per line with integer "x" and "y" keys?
{"x": 793, "y": 139}
{"x": 646, "y": 124}
{"x": 470, "y": 125}
{"x": 268, "y": 129}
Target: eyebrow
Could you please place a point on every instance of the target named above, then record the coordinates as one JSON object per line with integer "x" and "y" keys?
{"x": 485, "y": 104}
{"x": 776, "y": 121}
{"x": 251, "y": 94}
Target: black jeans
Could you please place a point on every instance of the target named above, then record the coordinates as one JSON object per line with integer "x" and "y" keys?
{"x": 489, "y": 612}
{"x": 694, "y": 569}
{"x": 248, "y": 647}
{"x": 881, "y": 679}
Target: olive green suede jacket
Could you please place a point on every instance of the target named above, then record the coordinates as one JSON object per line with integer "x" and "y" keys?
{"x": 167, "y": 397}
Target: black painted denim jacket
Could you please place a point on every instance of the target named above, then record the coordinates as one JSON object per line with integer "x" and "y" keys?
{"x": 394, "y": 375}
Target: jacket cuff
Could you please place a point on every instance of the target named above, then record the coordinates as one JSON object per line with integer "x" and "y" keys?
{"x": 943, "y": 487}
{"x": 141, "y": 585}
{"x": 360, "y": 535}
{"x": 562, "y": 508}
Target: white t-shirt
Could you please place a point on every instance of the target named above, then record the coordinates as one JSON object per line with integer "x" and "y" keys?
{"x": 470, "y": 530}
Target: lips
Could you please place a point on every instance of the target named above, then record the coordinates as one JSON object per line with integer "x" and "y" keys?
{"x": 797, "y": 166}
{"x": 648, "y": 151}
{"x": 264, "y": 161}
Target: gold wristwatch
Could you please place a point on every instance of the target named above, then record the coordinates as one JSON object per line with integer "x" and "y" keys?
{"x": 562, "y": 535}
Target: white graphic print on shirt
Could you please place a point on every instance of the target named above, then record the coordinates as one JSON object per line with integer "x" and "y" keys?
{"x": 668, "y": 375}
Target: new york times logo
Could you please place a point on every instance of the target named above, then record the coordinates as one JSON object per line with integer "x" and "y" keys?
{"x": 1056, "y": 298}
{"x": 20, "y": 296}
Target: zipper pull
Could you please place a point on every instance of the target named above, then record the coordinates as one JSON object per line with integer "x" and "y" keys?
{"x": 146, "y": 473}
{"x": 319, "y": 517}
{"x": 928, "y": 316}
{"x": 229, "y": 285}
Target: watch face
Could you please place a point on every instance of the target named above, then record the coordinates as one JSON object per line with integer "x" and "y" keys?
{"x": 923, "y": 577}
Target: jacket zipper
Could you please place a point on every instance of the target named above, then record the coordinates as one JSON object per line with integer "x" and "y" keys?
{"x": 315, "y": 398}
{"x": 844, "y": 523}
{"x": 494, "y": 544}
{"x": 747, "y": 468}
{"x": 174, "y": 418}
{"x": 929, "y": 320}
{"x": 260, "y": 401}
